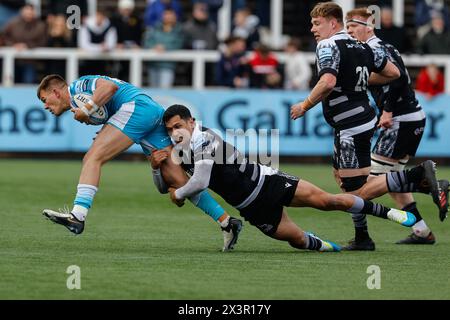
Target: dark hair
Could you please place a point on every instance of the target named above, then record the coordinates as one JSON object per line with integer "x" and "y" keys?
{"x": 177, "y": 110}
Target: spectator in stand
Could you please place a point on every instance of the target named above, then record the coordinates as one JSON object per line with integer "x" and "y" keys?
{"x": 214, "y": 7}
{"x": 128, "y": 25}
{"x": 59, "y": 7}
{"x": 97, "y": 35}
{"x": 25, "y": 32}
{"x": 297, "y": 71}
{"x": 264, "y": 69}
{"x": 437, "y": 40}
{"x": 9, "y": 9}
{"x": 423, "y": 11}
{"x": 231, "y": 70}
{"x": 166, "y": 35}
{"x": 200, "y": 32}
{"x": 430, "y": 81}
{"x": 129, "y": 28}
{"x": 155, "y": 9}
{"x": 246, "y": 26}
{"x": 392, "y": 34}
{"x": 59, "y": 36}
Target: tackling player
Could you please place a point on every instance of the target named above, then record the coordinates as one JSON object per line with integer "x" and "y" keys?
{"x": 345, "y": 68}
{"x": 260, "y": 193}
{"x": 132, "y": 117}
{"x": 402, "y": 123}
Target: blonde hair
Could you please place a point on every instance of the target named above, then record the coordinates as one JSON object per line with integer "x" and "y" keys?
{"x": 328, "y": 10}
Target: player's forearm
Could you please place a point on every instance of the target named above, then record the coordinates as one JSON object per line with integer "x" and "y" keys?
{"x": 377, "y": 79}
{"x": 198, "y": 182}
{"x": 159, "y": 182}
{"x": 321, "y": 90}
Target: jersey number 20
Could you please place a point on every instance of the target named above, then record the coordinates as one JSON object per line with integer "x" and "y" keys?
{"x": 363, "y": 78}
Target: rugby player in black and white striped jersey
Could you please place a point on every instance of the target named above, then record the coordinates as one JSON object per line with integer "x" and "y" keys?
{"x": 345, "y": 69}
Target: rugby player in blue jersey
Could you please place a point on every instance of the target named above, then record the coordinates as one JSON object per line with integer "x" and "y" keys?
{"x": 128, "y": 116}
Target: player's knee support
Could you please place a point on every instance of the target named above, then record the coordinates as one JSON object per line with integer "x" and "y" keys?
{"x": 349, "y": 184}
{"x": 380, "y": 167}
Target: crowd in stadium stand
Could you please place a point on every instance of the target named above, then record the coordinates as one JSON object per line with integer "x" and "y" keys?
{"x": 245, "y": 61}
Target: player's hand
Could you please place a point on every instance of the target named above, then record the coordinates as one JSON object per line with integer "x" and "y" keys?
{"x": 297, "y": 110}
{"x": 386, "y": 120}
{"x": 158, "y": 157}
{"x": 178, "y": 202}
{"x": 79, "y": 115}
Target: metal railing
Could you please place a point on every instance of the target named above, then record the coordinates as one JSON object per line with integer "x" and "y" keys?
{"x": 137, "y": 57}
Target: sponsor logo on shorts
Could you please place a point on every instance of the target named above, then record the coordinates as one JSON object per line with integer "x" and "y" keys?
{"x": 419, "y": 131}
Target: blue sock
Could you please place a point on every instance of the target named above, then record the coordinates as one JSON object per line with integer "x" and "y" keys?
{"x": 208, "y": 205}
{"x": 83, "y": 200}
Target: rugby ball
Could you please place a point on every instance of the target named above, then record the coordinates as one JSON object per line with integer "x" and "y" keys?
{"x": 98, "y": 117}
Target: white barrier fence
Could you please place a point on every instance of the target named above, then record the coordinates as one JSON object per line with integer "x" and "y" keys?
{"x": 137, "y": 57}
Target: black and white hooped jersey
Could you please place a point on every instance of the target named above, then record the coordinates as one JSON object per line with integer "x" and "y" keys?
{"x": 351, "y": 62}
{"x": 398, "y": 96}
{"x": 232, "y": 176}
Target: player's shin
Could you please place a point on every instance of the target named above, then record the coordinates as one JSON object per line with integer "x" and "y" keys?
{"x": 362, "y": 207}
{"x": 313, "y": 242}
{"x": 83, "y": 200}
{"x": 405, "y": 181}
{"x": 208, "y": 205}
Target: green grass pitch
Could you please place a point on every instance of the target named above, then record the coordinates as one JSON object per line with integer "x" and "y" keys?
{"x": 137, "y": 245}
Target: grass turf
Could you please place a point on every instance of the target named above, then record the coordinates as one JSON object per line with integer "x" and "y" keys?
{"x": 137, "y": 245}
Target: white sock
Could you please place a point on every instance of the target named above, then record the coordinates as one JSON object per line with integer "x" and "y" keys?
{"x": 421, "y": 229}
{"x": 224, "y": 222}
{"x": 80, "y": 212}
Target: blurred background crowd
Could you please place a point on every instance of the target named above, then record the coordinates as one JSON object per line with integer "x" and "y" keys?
{"x": 247, "y": 59}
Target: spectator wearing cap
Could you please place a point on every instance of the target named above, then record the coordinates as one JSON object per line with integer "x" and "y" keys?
{"x": 166, "y": 35}
{"x": 25, "y": 32}
{"x": 200, "y": 33}
{"x": 437, "y": 40}
{"x": 423, "y": 12}
{"x": 155, "y": 9}
{"x": 128, "y": 25}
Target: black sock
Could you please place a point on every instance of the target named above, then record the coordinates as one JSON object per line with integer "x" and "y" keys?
{"x": 405, "y": 181}
{"x": 412, "y": 207}
{"x": 361, "y": 206}
{"x": 313, "y": 243}
{"x": 415, "y": 174}
{"x": 361, "y": 233}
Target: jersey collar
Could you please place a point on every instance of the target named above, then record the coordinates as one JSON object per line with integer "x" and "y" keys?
{"x": 196, "y": 135}
{"x": 374, "y": 37}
